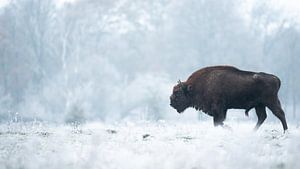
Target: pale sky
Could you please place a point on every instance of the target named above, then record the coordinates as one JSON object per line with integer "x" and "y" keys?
{"x": 290, "y": 6}
{"x": 59, "y": 2}
{"x": 3, "y": 2}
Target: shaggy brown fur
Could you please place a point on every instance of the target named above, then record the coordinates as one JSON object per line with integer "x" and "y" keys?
{"x": 216, "y": 89}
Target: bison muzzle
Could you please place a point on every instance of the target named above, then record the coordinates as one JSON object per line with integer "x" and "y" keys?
{"x": 216, "y": 89}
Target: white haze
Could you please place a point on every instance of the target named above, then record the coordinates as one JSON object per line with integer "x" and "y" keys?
{"x": 88, "y": 60}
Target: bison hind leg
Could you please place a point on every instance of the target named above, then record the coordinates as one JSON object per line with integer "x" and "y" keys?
{"x": 276, "y": 109}
{"x": 261, "y": 115}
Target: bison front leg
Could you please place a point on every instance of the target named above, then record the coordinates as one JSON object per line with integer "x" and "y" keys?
{"x": 261, "y": 116}
{"x": 219, "y": 115}
{"x": 218, "y": 120}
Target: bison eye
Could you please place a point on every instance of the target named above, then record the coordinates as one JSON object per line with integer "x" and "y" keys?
{"x": 177, "y": 94}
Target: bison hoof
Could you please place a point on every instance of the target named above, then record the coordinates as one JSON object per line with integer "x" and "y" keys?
{"x": 227, "y": 127}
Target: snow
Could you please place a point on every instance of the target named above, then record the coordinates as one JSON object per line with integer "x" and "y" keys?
{"x": 142, "y": 145}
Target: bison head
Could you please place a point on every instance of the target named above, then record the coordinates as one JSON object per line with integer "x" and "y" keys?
{"x": 180, "y": 98}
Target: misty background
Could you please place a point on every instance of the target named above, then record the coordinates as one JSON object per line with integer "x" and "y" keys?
{"x": 110, "y": 60}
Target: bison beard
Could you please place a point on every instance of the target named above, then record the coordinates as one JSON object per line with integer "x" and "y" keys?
{"x": 216, "y": 89}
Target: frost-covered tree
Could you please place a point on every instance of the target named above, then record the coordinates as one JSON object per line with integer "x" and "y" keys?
{"x": 108, "y": 60}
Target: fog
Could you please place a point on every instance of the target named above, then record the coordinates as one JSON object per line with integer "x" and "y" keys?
{"x": 89, "y": 60}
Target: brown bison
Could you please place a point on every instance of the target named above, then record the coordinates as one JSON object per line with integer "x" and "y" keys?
{"x": 216, "y": 89}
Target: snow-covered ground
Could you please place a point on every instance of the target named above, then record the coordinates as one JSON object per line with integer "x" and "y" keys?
{"x": 148, "y": 145}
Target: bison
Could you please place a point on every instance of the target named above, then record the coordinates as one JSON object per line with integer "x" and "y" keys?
{"x": 216, "y": 89}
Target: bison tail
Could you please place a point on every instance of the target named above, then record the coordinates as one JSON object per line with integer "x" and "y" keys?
{"x": 247, "y": 112}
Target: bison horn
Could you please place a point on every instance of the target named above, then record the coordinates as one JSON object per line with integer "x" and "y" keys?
{"x": 180, "y": 83}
